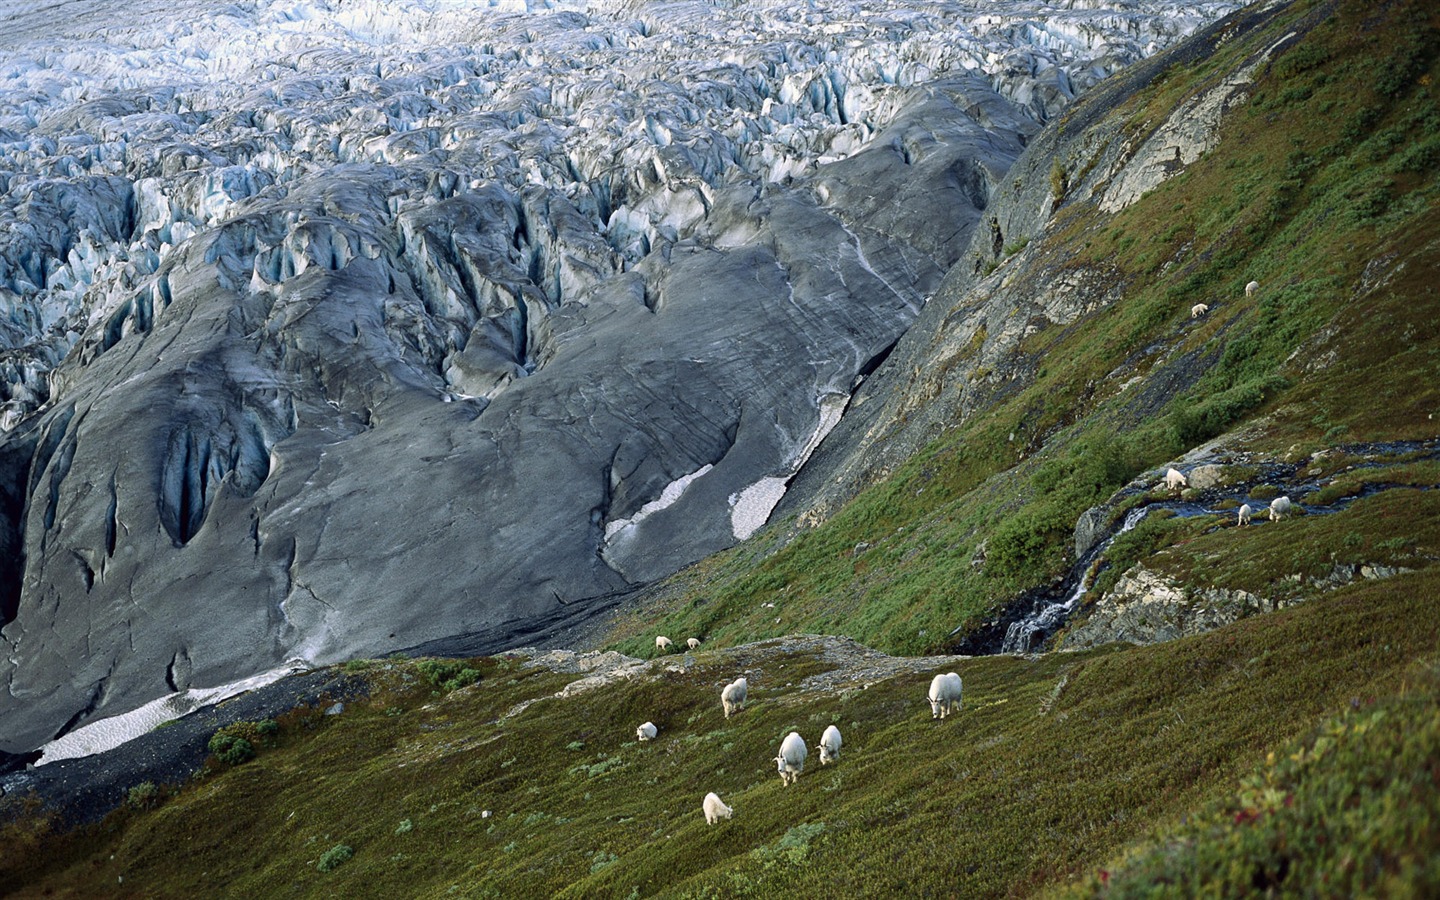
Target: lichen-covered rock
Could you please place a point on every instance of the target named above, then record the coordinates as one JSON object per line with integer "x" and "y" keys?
{"x": 1146, "y": 608}
{"x": 1091, "y": 528}
{"x": 1207, "y": 476}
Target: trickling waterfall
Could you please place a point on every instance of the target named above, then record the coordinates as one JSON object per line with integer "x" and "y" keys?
{"x": 1021, "y": 634}
{"x": 1033, "y": 616}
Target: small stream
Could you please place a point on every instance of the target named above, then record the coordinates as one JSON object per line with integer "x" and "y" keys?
{"x": 1032, "y": 618}
{"x": 1021, "y": 634}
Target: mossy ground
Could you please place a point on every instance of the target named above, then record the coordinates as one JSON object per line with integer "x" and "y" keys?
{"x": 1350, "y": 810}
{"x": 1055, "y": 766}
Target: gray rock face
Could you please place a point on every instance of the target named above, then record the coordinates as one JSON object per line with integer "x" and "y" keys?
{"x": 326, "y": 341}
{"x": 1090, "y": 528}
{"x": 1146, "y": 608}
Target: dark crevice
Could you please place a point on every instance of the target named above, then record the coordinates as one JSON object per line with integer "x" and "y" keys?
{"x": 870, "y": 365}
{"x": 97, "y": 693}
{"x": 608, "y": 481}
{"x": 177, "y": 673}
{"x": 112, "y": 523}
{"x": 18, "y": 454}
{"x": 521, "y": 238}
{"x": 52, "y": 435}
{"x": 61, "y": 468}
{"x": 522, "y": 334}
{"x": 198, "y": 461}
{"x": 87, "y": 573}
{"x": 193, "y": 467}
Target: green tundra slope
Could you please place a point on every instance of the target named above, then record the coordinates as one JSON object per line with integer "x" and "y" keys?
{"x": 1287, "y": 743}
{"x": 1306, "y": 739}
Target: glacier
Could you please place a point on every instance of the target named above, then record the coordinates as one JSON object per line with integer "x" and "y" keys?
{"x": 331, "y": 328}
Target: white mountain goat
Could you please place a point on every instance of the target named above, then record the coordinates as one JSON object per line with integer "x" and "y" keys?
{"x": 1251, "y": 288}
{"x": 1281, "y": 507}
{"x": 646, "y": 732}
{"x": 1198, "y": 310}
{"x": 663, "y": 644}
{"x": 693, "y": 643}
{"x": 791, "y": 761}
{"x": 1246, "y": 513}
{"x": 733, "y": 696}
{"x": 715, "y": 809}
{"x": 945, "y": 691}
{"x": 829, "y": 745}
{"x": 1175, "y": 480}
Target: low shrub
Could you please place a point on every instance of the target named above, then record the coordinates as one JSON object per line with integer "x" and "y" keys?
{"x": 236, "y": 743}
{"x": 1319, "y": 819}
{"x": 230, "y": 748}
{"x": 333, "y": 857}
{"x": 1021, "y": 543}
{"x": 143, "y": 795}
{"x": 447, "y": 674}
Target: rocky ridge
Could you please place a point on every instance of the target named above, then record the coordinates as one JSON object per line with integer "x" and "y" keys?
{"x": 965, "y": 351}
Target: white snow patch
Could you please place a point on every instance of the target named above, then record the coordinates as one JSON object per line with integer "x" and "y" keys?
{"x": 107, "y": 734}
{"x": 832, "y": 407}
{"x": 751, "y": 507}
{"x": 667, "y": 498}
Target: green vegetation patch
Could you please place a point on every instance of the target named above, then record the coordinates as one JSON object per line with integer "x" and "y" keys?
{"x": 1352, "y": 483}
{"x": 334, "y": 857}
{"x": 447, "y": 674}
{"x": 1350, "y": 810}
{"x": 1398, "y": 528}
{"x": 237, "y": 743}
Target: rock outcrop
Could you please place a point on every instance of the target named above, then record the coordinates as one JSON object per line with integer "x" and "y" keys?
{"x": 1146, "y": 607}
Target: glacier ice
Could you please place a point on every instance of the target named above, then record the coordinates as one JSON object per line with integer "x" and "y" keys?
{"x": 337, "y": 327}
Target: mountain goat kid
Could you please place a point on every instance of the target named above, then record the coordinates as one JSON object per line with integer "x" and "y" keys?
{"x": 791, "y": 761}
{"x": 715, "y": 809}
{"x": 1245, "y": 515}
{"x": 945, "y": 691}
{"x": 830, "y": 745}
{"x": 646, "y": 732}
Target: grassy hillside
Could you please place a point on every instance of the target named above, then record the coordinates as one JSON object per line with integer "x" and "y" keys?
{"x": 1323, "y": 188}
{"x": 1053, "y": 768}
{"x": 1291, "y": 752}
